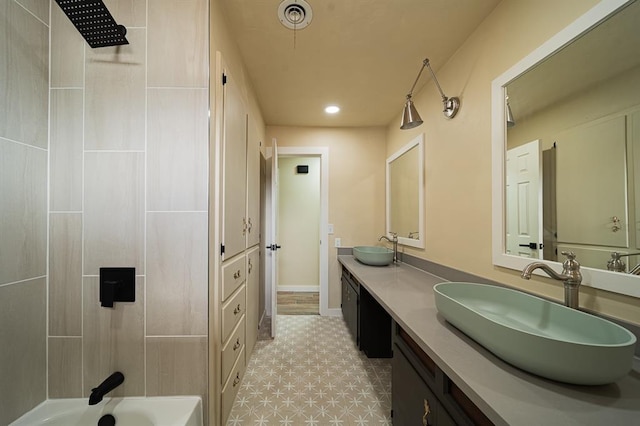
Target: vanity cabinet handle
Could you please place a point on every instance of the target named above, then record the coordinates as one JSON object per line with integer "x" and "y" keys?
{"x": 237, "y": 310}
{"x": 237, "y": 344}
{"x": 244, "y": 226}
{"x": 237, "y": 274}
{"x": 250, "y": 267}
{"x": 249, "y": 225}
{"x": 427, "y": 410}
{"x": 236, "y": 380}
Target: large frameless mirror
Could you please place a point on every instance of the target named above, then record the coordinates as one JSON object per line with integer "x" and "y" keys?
{"x": 566, "y": 150}
{"x": 405, "y": 194}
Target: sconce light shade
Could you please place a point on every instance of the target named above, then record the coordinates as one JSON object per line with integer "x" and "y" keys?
{"x": 510, "y": 120}
{"x": 410, "y": 116}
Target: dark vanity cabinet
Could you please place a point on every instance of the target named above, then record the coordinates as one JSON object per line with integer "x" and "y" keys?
{"x": 350, "y": 302}
{"x": 369, "y": 323}
{"x": 421, "y": 394}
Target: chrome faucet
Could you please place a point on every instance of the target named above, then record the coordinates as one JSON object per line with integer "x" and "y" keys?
{"x": 395, "y": 245}
{"x": 570, "y": 276}
{"x": 616, "y": 264}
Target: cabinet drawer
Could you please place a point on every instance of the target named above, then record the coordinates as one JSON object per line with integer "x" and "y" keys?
{"x": 232, "y": 349}
{"x": 230, "y": 389}
{"x": 233, "y": 275}
{"x": 233, "y": 312}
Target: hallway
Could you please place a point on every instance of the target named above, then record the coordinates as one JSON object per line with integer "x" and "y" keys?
{"x": 313, "y": 374}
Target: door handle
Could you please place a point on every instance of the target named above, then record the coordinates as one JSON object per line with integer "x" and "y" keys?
{"x": 532, "y": 246}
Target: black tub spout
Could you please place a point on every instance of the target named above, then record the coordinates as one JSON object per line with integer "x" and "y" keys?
{"x": 109, "y": 384}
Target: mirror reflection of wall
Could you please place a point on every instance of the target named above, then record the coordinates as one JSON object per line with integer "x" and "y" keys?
{"x": 583, "y": 105}
{"x": 405, "y": 171}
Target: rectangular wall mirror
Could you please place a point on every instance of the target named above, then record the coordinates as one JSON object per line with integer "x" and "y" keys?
{"x": 566, "y": 150}
{"x": 405, "y": 194}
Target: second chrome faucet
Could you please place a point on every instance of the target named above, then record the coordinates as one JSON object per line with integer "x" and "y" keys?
{"x": 393, "y": 240}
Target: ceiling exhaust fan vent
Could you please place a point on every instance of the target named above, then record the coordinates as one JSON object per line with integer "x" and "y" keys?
{"x": 295, "y": 14}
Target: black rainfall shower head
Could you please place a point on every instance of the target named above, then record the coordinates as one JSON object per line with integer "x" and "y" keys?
{"x": 95, "y": 23}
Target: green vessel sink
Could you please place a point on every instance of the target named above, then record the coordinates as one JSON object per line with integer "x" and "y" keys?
{"x": 538, "y": 336}
{"x": 373, "y": 255}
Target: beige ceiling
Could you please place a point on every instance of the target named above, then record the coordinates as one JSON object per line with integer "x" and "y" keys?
{"x": 362, "y": 55}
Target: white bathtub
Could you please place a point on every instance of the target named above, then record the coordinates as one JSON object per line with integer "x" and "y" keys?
{"x": 152, "y": 411}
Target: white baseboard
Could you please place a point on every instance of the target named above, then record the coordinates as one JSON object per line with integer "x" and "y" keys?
{"x": 299, "y": 288}
{"x": 332, "y": 312}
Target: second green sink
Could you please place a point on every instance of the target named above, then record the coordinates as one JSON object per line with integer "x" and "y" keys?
{"x": 373, "y": 255}
{"x": 539, "y": 336}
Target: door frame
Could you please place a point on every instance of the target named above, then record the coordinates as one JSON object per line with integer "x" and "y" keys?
{"x": 323, "y": 154}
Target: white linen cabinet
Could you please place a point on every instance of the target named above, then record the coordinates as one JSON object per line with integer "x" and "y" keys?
{"x": 235, "y": 327}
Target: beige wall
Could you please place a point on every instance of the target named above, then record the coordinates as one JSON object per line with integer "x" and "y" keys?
{"x": 356, "y": 185}
{"x": 299, "y": 223}
{"x": 129, "y": 171}
{"x": 458, "y": 152}
{"x": 24, "y": 96}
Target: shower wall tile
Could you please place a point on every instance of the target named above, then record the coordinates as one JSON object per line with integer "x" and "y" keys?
{"x": 177, "y": 149}
{"x": 65, "y": 274}
{"x": 65, "y": 367}
{"x": 130, "y": 13}
{"x": 113, "y": 340}
{"x": 178, "y": 30}
{"x": 114, "y": 211}
{"x": 24, "y": 76}
{"x": 66, "y": 150}
{"x": 23, "y": 212}
{"x": 23, "y": 337}
{"x": 177, "y": 366}
{"x": 115, "y": 95}
{"x": 177, "y": 273}
{"x": 67, "y": 51}
{"x": 39, "y": 8}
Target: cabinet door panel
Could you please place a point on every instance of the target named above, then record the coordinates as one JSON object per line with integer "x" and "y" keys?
{"x": 234, "y": 187}
{"x": 253, "y": 184}
{"x": 599, "y": 152}
{"x": 253, "y": 284}
{"x": 409, "y": 394}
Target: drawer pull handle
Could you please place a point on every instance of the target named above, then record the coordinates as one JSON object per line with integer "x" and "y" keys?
{"x": 237, "y": 344}
{"x": 250, "y": 266}
{"x": 427, "y": 410}
{"x": 237, "y": 310}
{"x": 236, "y": 380}
{"x": 236, "y": 274}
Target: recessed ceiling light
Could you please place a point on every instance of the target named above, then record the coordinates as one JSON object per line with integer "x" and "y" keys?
{"x": 332, "y": 109}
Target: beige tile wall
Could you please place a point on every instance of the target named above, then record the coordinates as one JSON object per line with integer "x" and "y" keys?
{"x": 24, "y": 97}
{"x": 129, "y": 172}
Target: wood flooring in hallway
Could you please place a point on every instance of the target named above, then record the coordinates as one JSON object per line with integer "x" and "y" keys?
{"x": 298, "y": 303}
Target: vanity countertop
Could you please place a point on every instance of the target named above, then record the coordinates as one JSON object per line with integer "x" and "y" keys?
{"x": 506, "y": 394}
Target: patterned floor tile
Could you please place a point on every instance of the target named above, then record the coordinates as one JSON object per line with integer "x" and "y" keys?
{"x": 313, "y": 374}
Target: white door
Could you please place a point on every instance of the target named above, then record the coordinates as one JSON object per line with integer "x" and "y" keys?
{"x": 524, "y": 201}
{"x": 273, "y": 236}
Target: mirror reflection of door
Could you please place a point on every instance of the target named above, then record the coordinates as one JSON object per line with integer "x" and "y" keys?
{"x": 524, "y": 204}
